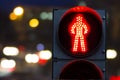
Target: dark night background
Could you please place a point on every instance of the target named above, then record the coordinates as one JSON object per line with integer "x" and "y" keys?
{"x": 17, "y": 33}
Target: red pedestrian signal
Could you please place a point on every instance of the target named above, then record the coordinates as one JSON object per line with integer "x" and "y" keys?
{"x": 80, "y": 31}
{"x": 79, "y": 43}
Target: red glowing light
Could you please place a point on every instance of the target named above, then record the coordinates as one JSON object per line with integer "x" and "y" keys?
{"x": 115, "y": 78}
{"x": 79, "y": 30}
{"x": 43, "y": 62}
{"x": 83, "y": 9}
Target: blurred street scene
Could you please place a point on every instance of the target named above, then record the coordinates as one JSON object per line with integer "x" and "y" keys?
{"x": 26, "y": 37}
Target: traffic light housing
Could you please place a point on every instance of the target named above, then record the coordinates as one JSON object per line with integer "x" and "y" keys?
{"x": 79, "y": 39}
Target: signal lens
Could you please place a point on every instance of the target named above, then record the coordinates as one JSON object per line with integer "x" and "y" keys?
{"x": 80, "y": 31}
{"x": 81, "y": 70}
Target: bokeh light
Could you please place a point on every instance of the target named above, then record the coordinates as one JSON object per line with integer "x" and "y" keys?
{"x": 5, "y": 63}
{"x": 31, "y": 58}
{"x": 10, "y": 51}
{"x": 111, "y": 54}
{"x": 12, "y": 16}
{"x": 45, "y": 54}
{"x": 34, "y": 23}
{"x": 50, "y": 16}
{"x": 43, "y": 15}
{"x": 18, "y": 11}
{"x": 46, "y": 15}
{"x": 40, "y": 47}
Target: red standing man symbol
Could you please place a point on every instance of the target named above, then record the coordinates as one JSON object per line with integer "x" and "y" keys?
{"x": 79, "y": 30}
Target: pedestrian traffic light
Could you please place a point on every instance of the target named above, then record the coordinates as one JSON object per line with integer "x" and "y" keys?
{"x": 79, "y": 43}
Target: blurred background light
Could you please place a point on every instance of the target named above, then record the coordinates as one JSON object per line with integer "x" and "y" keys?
{"x": 50, "y": 16}
{"x": 10, "y": 51}
{"x": 34, "y": 23}
{"x": 21, "y": 48}
{"x": 46, "y": 15}
{"x": 113, "y": 77}
{"x": 4, "y": 72}
{"x": 12, "y": 16}
{"x": 31, "y": 58}
{"x": 111, "y": 54}
{"x": 9, "y": 64}
{"x": 40, "y": 47}
{"x": 45, "y": 54}
{"x": 43, "y": 15}
{"x": 18, "y": 11}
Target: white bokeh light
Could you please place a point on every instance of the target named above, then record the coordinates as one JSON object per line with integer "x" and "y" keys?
{"x": 18, "y": 11}
{"x": 31, "y": 58}
{"x": 111, "y": 54}
{"x": 10, "y": 51}
{"x": 45, "y": 54}
{"x": 5, "y": 63}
